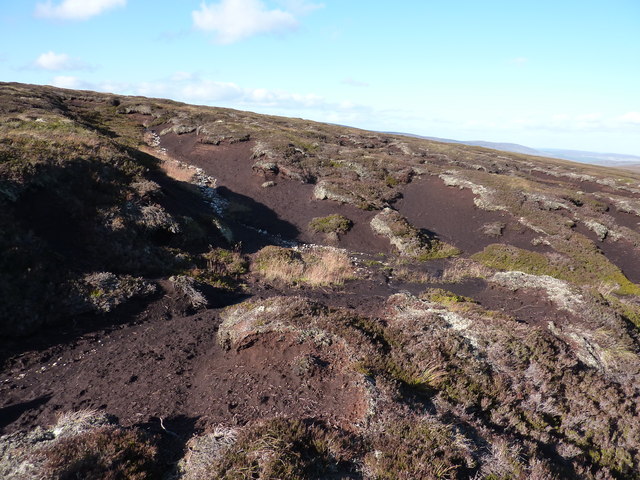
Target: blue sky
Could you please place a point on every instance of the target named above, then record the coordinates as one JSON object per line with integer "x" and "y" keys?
{"x": 559, "y": 74}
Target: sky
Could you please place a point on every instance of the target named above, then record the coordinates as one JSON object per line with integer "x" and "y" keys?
{"x": 542, "y": 73}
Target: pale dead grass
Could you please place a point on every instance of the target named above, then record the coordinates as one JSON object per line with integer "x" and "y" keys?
{"x": 203, "y": 451}
{"x": 173, "y": 168}
{"x": 282, "y": 270}
{"x": 177, "y": 171}
{"x": 315, "y": 266}
{"x": 405, "y": 274}
{"x": 327, "y": 267}
{"x": 72, "y": 423}
{"x": 458, "y": 269}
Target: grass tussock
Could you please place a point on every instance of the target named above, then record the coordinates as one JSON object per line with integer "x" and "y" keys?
{"x": 318, "y": 266}
{"x": 458, "y": 269}
{"x": 335, "y": 223}
{"x": 220, "y": 268}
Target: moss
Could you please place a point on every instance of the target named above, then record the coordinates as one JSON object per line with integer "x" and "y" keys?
{"x": 629, "y": 311}
{"x": 506, "y": 257}
{"x": 587, "y": 265}
{"x": 438, "y": 249}
{"x": 331, "y": 224}
{"x": 391, "y": 181}
{"x": 444, "y": 297}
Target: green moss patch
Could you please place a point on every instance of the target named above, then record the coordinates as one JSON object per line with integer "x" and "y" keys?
{"x": 331, "y": 224}
{"x": 584, "y": 264}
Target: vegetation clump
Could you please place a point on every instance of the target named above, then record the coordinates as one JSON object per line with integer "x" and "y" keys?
{"x": 335, "y": 223}
{"x": 315, "y": 266}
{"x": 103, "y": 291}
{"x": 106, "y": 453}
{"x": 82, "y": 444}
{"x": 287, "y": 448}
{"x": 408, "y": 240}
{"x": 583, "y": 264}
{"x": 531, "y": 371}
{"x": 423, "y": 448}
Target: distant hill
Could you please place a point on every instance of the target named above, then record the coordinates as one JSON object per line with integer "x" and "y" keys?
{"x": 609, "y": 159}
{"x": 505, "y": 147}
{"x": 595, "y": 158}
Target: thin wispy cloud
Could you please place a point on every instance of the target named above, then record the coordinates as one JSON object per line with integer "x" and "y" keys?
{"x": 299, "y": 7}
{"x": 233, "y": 20}
{"x": 354, "y": 83}
{"x": 76, "y": 9}
{"x": 519, "y": 61}
{"x": 58, "y": 61}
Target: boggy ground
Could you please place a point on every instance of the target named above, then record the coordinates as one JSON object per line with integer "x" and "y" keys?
{"x": 284, "y": 208}
{"x": 160, "y": 363}
{"x": 515, "y": 356}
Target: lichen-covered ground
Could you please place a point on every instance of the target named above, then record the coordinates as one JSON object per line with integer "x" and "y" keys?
{"x": 194, "y": 293}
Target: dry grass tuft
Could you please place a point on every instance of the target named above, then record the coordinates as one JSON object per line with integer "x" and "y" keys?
{"x": 314, "y": 266}
{"x": 327, "y": 266}
{"x": 458, "y": 269}
{"x": 405, "y": 274}
{"x": 178, "y": 171}
{"x": 279, "y": 264}
{"x": 77, "y": 422}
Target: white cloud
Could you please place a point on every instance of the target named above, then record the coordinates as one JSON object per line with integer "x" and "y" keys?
{"x": 210, "y": 91}
{"x": 631, "y": 117}
{"x": 589, "y": 117}
{"x": 235, "y": 20}
{"x": 64, "y": 81}
{"x": 58, "y": 61}
{"x": 191, "y": 88}
{"x": 76, "y": 9}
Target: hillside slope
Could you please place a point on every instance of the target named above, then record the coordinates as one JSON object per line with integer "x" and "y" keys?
{"x": 196, "y": 292}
